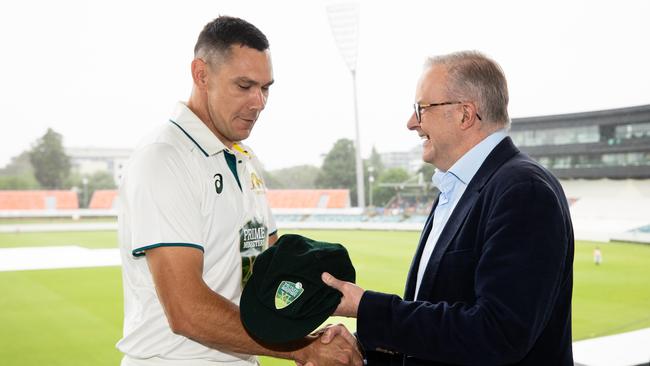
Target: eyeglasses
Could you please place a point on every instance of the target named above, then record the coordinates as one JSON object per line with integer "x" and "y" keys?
{"x": 420, "y": 107}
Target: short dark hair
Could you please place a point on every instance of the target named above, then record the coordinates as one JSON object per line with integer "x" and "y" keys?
{"x": 225, "y": 31}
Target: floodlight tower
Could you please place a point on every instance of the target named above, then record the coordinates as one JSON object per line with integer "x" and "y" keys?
{"x": 344, "y": 21}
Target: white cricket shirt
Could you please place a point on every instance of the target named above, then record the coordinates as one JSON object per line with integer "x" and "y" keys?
{"x": 180, "y": 189}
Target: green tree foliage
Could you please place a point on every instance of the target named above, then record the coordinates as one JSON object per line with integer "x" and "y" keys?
{"x": 18, "y": 165}
{"x": 271, "y": 181}
{"x": 51, "y": 164}
{"x": 18, "y": 182}
{"x": 101, "y": 180}
{"x": 18, "y": 174}
{"x": 95, "y": 181}
{"x": 296, "y": 177}
{"x": 374, "y": 162}
{"x": 338, "y": 170}
{"x": 373, "y": 166}
{"x": 427, "y": 171}
{"x": 394, "y": 176}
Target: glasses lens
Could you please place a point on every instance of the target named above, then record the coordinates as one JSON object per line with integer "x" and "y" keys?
{"x": 417, "y": 111}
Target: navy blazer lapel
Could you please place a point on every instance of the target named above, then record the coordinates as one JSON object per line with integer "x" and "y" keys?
{"x": 411, "y": 279}
{"x": 499, "y": 155}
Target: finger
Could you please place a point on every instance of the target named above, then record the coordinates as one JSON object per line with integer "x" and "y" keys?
{"x": 328, "y": 335}
{"x": 321, "y": 330}
{"x": 345, "y": 333}
{"x": 358, "y": 360}
{"x": 332, "y": 281}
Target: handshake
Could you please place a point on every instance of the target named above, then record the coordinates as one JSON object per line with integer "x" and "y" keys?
{"x": 332, "y": 345}
{"x": 291, "y": 292}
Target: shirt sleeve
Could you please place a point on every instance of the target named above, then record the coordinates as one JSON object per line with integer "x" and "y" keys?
{"x": 163, "y": 199}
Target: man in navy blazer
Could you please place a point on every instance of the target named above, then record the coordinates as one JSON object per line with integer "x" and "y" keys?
{"x": 491, "y": 280}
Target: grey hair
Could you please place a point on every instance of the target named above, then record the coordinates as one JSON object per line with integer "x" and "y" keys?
{"x": 474, "y": 76}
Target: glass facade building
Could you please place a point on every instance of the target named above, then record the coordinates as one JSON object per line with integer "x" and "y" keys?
{"x": 612, "y": 143}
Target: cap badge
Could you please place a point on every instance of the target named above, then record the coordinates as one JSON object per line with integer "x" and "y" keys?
{"x": 287, "y": 293}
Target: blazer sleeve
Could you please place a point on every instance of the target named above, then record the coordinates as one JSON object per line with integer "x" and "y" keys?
{"x": 517, "y": 281}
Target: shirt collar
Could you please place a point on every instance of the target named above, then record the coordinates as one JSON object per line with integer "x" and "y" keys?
{"x": 197, "y": 131}
{"x": 466, "y": 167}
{"x": 444, "y": 181}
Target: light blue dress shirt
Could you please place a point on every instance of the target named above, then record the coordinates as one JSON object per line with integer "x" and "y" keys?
{"x": 452, "y": 185}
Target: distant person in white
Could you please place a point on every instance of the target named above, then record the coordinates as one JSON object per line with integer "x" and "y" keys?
{"x": 598, "y": 256}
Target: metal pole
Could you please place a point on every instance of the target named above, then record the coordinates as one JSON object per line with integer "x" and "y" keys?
{"x": 344, "y": 21}
{"x": 361, "y": 194}
{"x": 371, "y": 179}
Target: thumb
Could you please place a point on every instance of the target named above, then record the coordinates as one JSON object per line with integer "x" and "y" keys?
{"x": 327, "y": 336}
{"x": 331, "y": 281}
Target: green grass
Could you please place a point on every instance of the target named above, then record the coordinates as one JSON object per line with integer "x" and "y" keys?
{"x": 88, "y": 239}
{"x": 55, "y": 220}
{"x": 74, "y": 316}
{"x": 615, "y": 296}
{"x": 60, "y": 317}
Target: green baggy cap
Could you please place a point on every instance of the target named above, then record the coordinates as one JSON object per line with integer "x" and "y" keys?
{"x": 285, "y": 299}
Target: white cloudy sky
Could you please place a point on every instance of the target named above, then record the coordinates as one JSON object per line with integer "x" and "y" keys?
{"x": 103, "y": 73}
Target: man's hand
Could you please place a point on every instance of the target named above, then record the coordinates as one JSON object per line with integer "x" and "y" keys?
{"x": 337, "y": 351}
{"x": 330, "y": 331}
{"x": 351, "y": 295}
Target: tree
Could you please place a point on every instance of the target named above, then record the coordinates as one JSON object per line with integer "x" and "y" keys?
{"x": 18, "y": 174}
{"x": 375, "y": 167}
{"x": 95, "y": 181}
{"x": 374, "y": 162}
{"x": 51, "y": 164}
{"x": 20, "y": 182}
{"x": 296, "y": 177}
{"x": 338, "y": 170}
{"x": 18, "y": 165}
{"x": 427, "y": 171}
{"x": 394, "y": 176}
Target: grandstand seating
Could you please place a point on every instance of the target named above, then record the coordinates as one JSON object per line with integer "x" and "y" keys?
{"x": 385, "y": 218}
{"x": 38, "y": 200}
{"x": 643, "y": 229}
{"x": 308, "y": 198}
{"x": 335, "y": 218}
{"x": 604, "y": 208}
{"x": 420, "y": 219}
{"x": 103, "y": 199}
{"x": 288, "y": 218}
{"x": 278, "y": 198}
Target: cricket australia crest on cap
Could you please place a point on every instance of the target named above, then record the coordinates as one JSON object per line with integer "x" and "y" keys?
{"x": 287, "y": 293}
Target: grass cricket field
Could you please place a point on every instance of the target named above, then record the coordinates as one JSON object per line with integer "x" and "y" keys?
{"x": 74, "y": 316}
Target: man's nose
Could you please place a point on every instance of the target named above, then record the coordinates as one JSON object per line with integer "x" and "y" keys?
{"x": 259, "y": 99}
{"x": 412, "y": 122}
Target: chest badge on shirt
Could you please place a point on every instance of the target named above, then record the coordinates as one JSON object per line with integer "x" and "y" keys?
{"x": 257, "y": 184}
{"x": 218, "y": 183}
{"x": 253, "y": 239}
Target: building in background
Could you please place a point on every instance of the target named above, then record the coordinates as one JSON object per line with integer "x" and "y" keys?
{"x": 89, "y": 160}
{"x": 410, "y": 160}
{"x": 613, "y": 143}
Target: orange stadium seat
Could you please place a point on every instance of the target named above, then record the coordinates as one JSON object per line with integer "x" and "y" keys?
{"x": 308, "y": 198}
{"x": 38, "y": 200}
{"x": 103, "y": 199}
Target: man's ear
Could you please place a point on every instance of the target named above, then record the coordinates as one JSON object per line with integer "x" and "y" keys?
{"x": 200, "y": 73}
{"x": 469, "y": 117}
